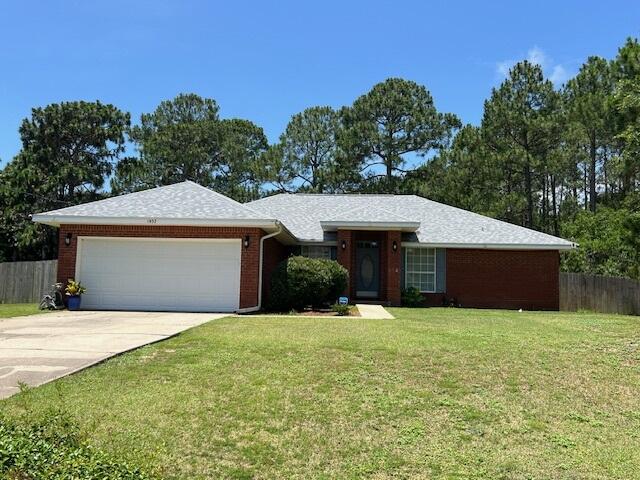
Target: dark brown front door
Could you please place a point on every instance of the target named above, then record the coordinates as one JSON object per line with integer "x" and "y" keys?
{"x": 367, "y": 269}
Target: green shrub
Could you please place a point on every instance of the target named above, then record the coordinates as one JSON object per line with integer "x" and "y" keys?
{"x": 299, "y": 281}
{"x": 51, "y": 448}
{"x": 411, "y": 297}
{"x": 341, "y": 310}
{"x": 339, "y": 279}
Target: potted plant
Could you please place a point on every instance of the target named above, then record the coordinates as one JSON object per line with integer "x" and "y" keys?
{"x": 74, "y": 290}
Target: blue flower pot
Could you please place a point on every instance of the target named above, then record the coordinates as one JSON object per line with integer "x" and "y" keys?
{"x": 73, "y": 302}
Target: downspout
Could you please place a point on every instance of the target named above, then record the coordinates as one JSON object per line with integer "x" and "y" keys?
{"x": 260, "y": 259}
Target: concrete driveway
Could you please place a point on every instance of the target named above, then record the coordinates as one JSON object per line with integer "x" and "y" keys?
{"x": 39, "y": 348}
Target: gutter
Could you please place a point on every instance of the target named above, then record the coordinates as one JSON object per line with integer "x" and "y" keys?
{"x": 260, "y": 268}
{"x": 496, "y": 246}
{"x": 57, "y": 220}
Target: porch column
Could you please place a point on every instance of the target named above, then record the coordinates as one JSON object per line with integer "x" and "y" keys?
{"x": 345, "y": 258}
{"x": 393, "y": 267}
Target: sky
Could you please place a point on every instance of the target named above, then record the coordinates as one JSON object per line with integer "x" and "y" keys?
{"x": 265, "y": 61}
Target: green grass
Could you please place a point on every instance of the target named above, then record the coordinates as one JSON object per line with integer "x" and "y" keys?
{"x": 436, "y": 393}
{"x": 18, "y": 309}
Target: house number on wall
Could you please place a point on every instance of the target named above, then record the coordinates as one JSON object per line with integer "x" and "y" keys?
{"x": 152, "y": 220}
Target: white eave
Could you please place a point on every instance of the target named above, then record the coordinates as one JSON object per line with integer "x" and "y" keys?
{"x": 57, "y": 220}
{"x": 496, "y": 246}
{"x": 332, "y": 225}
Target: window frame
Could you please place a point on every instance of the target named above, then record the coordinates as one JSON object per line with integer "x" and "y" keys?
{"x": 309, "y": 247}
{"x": 419, "y": 272}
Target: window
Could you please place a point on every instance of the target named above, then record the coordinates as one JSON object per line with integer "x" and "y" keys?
{"x": 420, "y": 269}
{"x": 315, "y": 251}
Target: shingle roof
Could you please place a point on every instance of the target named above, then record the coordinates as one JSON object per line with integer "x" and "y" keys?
{"x": 303, "y": 215}
{"x": 183, "y": 201}
{"x": 439, "y": 223}
{"x": 365, "y": 214}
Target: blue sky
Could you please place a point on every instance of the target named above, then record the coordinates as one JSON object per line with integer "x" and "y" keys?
{"x": 265, "y": 61}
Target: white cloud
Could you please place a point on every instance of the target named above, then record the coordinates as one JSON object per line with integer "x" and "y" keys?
{"x": 556, "y": 72}
{"x": 536, "y": 56}
{"x": 503, "y": 68}
{"x": 559, "y": 75}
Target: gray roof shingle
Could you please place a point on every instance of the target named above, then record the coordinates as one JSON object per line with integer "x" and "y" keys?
{"x": 439, "y": 223}
{"x": 184, "y": 201}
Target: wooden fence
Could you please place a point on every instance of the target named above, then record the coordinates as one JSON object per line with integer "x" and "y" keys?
{"x": 26, "y": 282}
{"x": 579, "y": 291}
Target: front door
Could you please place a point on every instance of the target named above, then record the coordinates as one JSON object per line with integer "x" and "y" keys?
{"x": 367, "y": 270}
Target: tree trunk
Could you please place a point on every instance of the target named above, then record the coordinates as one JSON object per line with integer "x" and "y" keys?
{"x": 592, "y": 174}
{"x": 554, "y": 206}
{"x": 585, "y": 188}
{"x": 545, "y": 198}
{"x": 529, "y": 192}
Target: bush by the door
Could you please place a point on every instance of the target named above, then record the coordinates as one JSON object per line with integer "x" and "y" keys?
{"x": 298, "y": 282}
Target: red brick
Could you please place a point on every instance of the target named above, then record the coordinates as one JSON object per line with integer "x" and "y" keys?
{"x": 525, "y": 279}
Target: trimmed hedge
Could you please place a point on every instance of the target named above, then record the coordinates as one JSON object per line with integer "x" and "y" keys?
{"x": 298, "y": 282}
{"x": 51, "y": 448}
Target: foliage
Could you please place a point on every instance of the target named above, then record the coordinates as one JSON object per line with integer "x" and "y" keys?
{"x": 627, "y": 106}
{"x": 298, "y": 282}
{"x": 307, "y": 157}
{"x": 184, "y": 139}
{"x": 341, "y": 310}
{"x": 608, "y": 243}
{"x": 68, "y": 149}
{"x": 520, "y": 125}
{"x": 411, "y": 297}
{"x": 74, "y": 288}
{"x": 588, "y": 99}
{"x": 52, "y": 448}
{"x": 396, "y": 118}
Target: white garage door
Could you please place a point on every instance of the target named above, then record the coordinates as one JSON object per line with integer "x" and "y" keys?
{"x": 159, "y": 274}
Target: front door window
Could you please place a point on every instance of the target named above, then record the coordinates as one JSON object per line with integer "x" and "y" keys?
{"x": 367, "y": 266}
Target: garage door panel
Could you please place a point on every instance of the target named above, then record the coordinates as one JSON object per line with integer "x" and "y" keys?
{"x": 158, "y": 274}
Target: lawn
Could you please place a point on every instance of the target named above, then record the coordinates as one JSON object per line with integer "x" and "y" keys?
{"x": 18, "y": 309}
{"x": 436, "y": 393}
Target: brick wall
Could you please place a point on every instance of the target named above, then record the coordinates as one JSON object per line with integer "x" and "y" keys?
{"x": 393, "y": 266}
{"x": 346, "y": 258}
{"x": 274, "y": 253}
{"x": 504, "y": 278}
{"x": 250, "y": 256}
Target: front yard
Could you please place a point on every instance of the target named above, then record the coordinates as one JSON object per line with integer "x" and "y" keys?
{"x": 436, "y": 393}
{"x": 18, "y": 309}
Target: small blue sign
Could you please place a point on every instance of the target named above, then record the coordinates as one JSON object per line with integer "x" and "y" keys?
{"x": 343, "y": 300}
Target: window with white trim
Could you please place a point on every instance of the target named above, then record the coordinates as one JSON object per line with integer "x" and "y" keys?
{"x": 315, "y": 251}
{"x": 420, "y": 269}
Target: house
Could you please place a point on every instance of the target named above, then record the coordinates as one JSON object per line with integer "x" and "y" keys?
{"x": 185, "y": 247}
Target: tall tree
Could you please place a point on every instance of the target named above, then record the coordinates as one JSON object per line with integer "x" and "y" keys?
{"x": 307, "y": 157}
{"x": 393, "y": 121}
{"x": 520, "y": 124}
{"x": 68, "y": 150}
{"x": 588, "y": 99}
{"x": 184, "y": 139}
{"x": 176, "y": 142}
{"x": 627, "y": 104}
{"x": 241, "y": 146}
{"x": 465, "y": 175}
